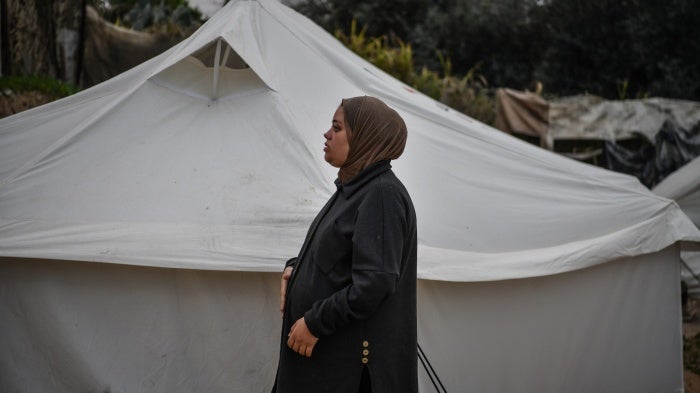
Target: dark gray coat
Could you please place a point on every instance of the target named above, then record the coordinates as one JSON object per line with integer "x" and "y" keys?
{"x": 354, "y": 281}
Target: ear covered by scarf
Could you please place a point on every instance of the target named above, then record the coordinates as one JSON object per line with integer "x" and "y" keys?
{"x": 375, "y": 133}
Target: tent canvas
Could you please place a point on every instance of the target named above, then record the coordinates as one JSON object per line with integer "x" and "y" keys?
{"x": 147, "y": 219}
{"x": 683, "y": 186}
{"x": 78, "y": 326}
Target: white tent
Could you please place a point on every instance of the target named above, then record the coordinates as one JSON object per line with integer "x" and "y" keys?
{"x": 683, "y": 186}
{"x": 144, "y": 223}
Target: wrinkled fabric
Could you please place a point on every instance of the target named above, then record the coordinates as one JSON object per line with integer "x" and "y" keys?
{"x": 161, "y": 167}
{"x": 673, "y": 147}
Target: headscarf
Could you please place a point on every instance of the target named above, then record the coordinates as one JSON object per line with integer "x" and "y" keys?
{"x": 375, "y": 133}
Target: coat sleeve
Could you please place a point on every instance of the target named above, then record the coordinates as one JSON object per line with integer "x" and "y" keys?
{"x": 378, "y": 243}
{"x": 290, "y": 262}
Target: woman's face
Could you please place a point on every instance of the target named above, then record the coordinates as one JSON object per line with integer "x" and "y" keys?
{"x": 336, "y": 146}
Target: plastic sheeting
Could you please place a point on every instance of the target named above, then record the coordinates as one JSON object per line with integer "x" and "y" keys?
{"x": 673, "y": 147}
{"x": 86, "y": 327}
{"x": 584, "y": 117}
{"x": 591, "y": 117}
{"x": 666, "y": 132}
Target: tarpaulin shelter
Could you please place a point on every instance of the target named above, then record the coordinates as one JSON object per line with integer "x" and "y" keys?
{"x": 648, "y": 138}
{"x": 144, "y": 223}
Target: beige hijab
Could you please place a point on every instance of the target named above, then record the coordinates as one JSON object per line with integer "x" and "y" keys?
{"x": 375, "y": 133}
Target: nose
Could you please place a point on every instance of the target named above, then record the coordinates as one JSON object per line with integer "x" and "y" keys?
{"x": 327, "y": 134}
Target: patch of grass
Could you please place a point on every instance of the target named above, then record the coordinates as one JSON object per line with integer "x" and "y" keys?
{"x": 44, "y": 84}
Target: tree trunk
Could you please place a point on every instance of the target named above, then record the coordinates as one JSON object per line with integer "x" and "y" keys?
{"x": 44, "y": 37}
{"x": 4, "y": 40}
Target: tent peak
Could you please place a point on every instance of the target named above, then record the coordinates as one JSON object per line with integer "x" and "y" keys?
{"x": 228, "y": 58}
{"x": 213, "y": 72}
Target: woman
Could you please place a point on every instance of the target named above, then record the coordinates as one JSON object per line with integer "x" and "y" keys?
{"x": 349, "y": 299}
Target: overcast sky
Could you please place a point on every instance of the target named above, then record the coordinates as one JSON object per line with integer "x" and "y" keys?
{"x": 207, "y": 7}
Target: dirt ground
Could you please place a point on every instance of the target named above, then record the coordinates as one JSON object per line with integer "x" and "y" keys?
{"x": 11, "y": 102}
{"x": 691, "y": 382}
{"x": 691, "y": 336}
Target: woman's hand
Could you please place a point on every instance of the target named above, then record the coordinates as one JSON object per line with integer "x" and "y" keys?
{"x": 300, "y": 339}
{"x": 286, "y": 275}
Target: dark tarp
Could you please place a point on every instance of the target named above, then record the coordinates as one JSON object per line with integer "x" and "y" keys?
{"x": 672, "y": 148}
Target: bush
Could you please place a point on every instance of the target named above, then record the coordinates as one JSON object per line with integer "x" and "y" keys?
{"x": 610, "y": 48}
{"x": 468, "y": 94}
{"x": 44, "y": 84}
{"x": 150, "y": 15}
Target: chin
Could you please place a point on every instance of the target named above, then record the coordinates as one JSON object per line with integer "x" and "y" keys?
{"x": 333, "y": 162}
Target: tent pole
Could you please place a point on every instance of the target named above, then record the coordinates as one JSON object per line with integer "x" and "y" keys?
{"x": 217, "y": 57}
{"x": 226, "y": 53}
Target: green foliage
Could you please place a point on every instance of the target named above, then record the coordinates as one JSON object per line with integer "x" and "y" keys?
{"x": 43, "y": 84}
{"x": 611, "y": 48}
{"x": 635, "y": 47}
{"x": 397, "y": 18}
{"x": 468, "y": 94}
{"x": 581, "y": 33}
{"x": 495, "y": 35}
{"x": 499, "y": 36}
{"x": 429, "y": 83}
{"x": 150, "y": 14}
{"x": 396, "y": 60}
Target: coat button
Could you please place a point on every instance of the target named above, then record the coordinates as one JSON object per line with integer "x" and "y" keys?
{"x": 365, "y": 343}
{"x": 365, "y": 352}
{"x": 365, "y": 360}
